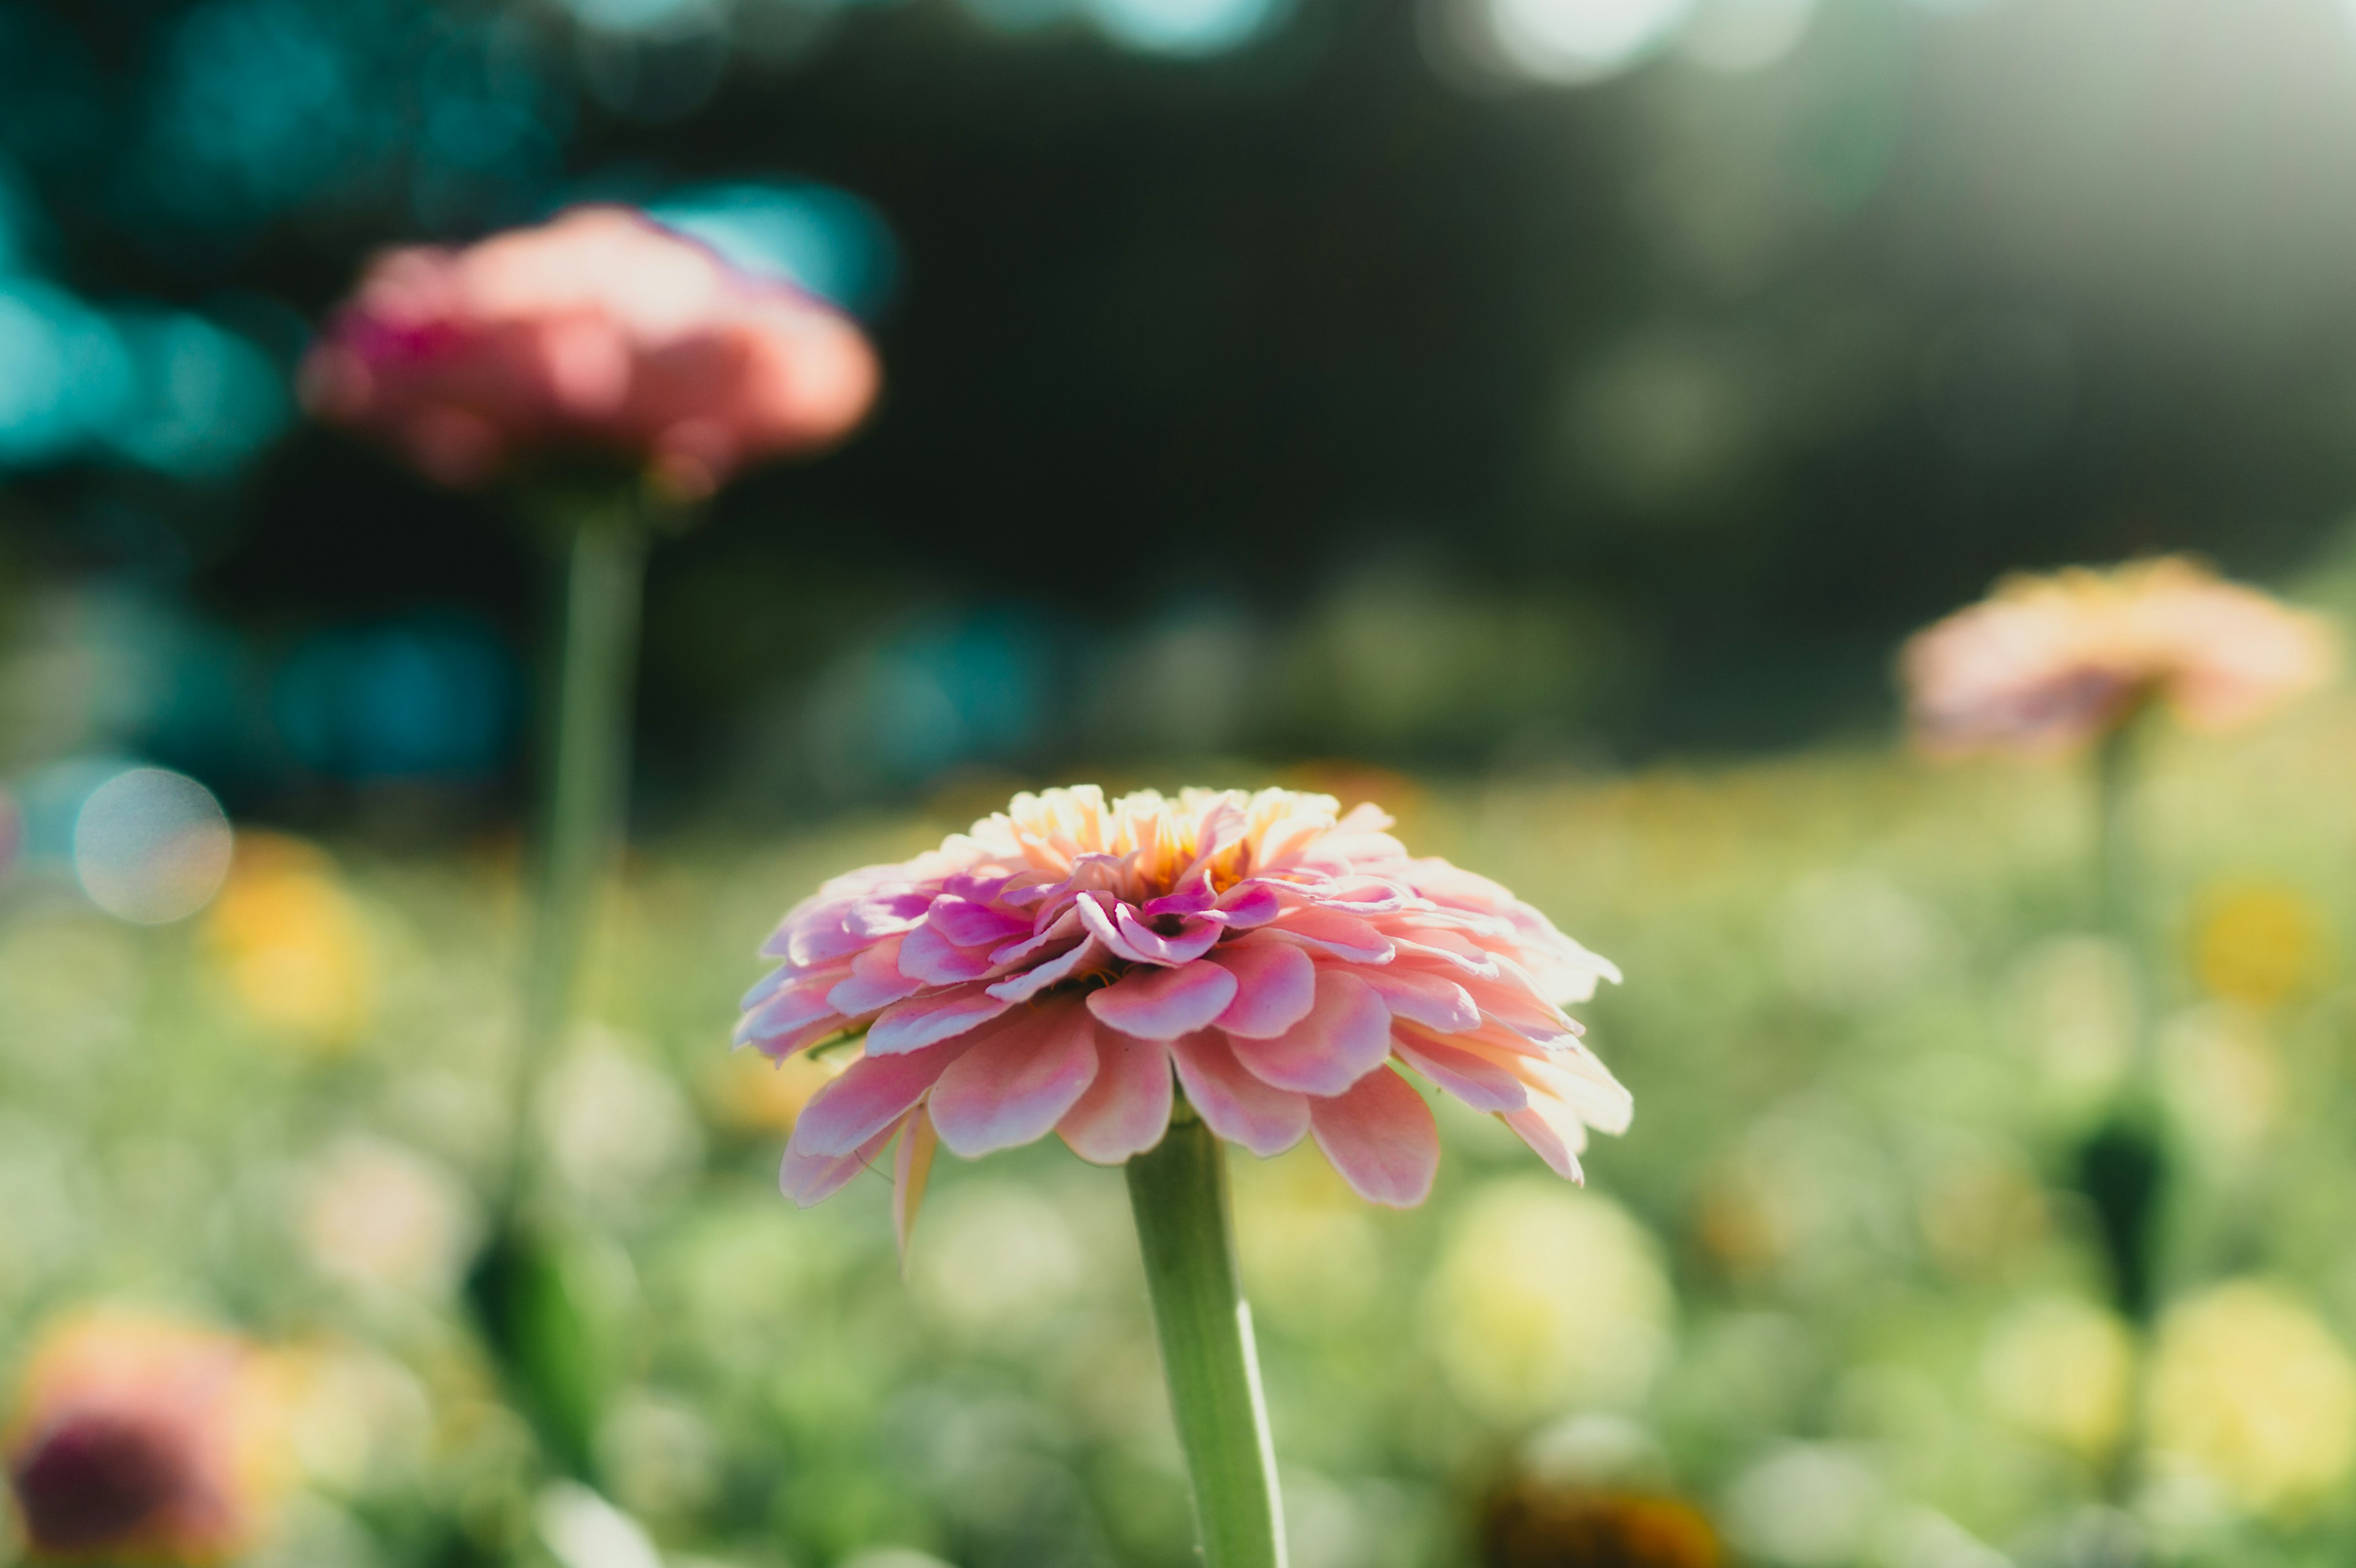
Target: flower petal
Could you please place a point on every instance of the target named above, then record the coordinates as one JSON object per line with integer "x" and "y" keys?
{"x": 1021, "y": 987}
{"x": 875, "y": 981}
{"x": 790, "y": 1009}
{"x": 910, "y": 1168}
{"x": 1126, "y": 1109}
{"x": 1479, "y": 1080}
{"x": 809, "y": 1179}
{"x": 1015, "y": 1084}
{"x": 1276, "y": 985}
{"x": 1238, "y": 1106}
{"x": 871, "y": 1097}
{"x": 925, "y": 1020}
{"x": 933, "y": 958}
{"x": 1423, "y": 998}
{"x": 1163, "y": 1004}
{"x": 1345, "y": 1036}
{"x": 1548, "y": 1127}
{"x": 970, "y": 924}
{"x": 1343, "y": 935}
{"x": 1196, "y": 935}
{"x": 1381, "y": 1138}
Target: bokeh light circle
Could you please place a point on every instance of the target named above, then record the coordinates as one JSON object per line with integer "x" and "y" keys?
{"x": 151, "y": 846}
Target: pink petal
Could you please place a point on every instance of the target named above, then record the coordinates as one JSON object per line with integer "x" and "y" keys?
{"x": 821, "y": 939}
{"x": 933, "y": 958}
{"x": 1581, "y": 1083}
{"x": 1126, "y": 1109}
{"x": 790, "y": 1009}
{"x": 910, "y": 1168}
{"x": 1064, "y": 927}
{"x": 777, "y": 1047}
{"x": 1247, "y": 904}
{"x": 1423, "y": 998}
{"x": 875, "y": 981}
{"x": 1381, "y": 1138}
{"x": 924, "y": 1021}
{"x": 1554, "y": 1133}
{"x": 1238, "y": 1106}
{"x": 1195, "y": 937}
{"x": 1021, "y": 987}
{"x": 809, "y": 1178}
{"x": 887, "y": 915}
{"x": 1014, "y": 1084}
{"x": 970, "y": 924}
{"x": 1194, "y": 897}
{"x": 871, "y": 1097}
{"x": 1163, "y": 1004}
{"x": 1343, "y": 935}
{"x": 769, "y": 985}
{"x": 1477, "y": 1080}
{"x": 1276, "y": 985}
{"x": 1346, "y": 1035}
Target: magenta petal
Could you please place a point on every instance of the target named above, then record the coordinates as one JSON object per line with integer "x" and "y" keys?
{"x": 1423, "y": 998}
{"x": 931, "y": 958}
{"x": 872, "y": 1095}
{"x": 777, "y": 1047}
{"x": 1346, "y": 1035}
{"x": 1101, "y": 925}
{"x": 1472, "y": 1078}
{"x": 1065, "y": 927}
{"x": 1015, "y": 1085}
{"x": 809, "y": 1178}
{"x": 1276, "y": 985}
{"x": 875, "y": 981}
{"x": 888, "y": 915}
{"x": 1194, "y": 938}
{"x": 1381, "y": 1138}
{"x": 1021, "y": 987}
{"x": 974, "y": 924}
{"x": 1126, "y": 1109}
{"x": 1163, "y": 1004}
{"x": 1194, "y": 898}
{"x": 1247, "y": 904}
{"x": 1238, "y": 1106}
{"x": 924, "y": 1020}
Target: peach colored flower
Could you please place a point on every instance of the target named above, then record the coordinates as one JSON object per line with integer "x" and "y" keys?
{"x": 139, "y": 1438}
{"x": 1051, "y": 969}
{"x": 601, "y": 330}
{"x": 2050, "y": 663}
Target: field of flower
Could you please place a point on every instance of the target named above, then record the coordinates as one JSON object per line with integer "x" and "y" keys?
{"x": 1833, "y": 1290}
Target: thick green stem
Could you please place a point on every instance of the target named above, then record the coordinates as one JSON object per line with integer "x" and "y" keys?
{"x": 1179, "y": 1192}
{"x": 582, "y": 790}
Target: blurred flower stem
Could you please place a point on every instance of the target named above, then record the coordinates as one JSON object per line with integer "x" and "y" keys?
{"x": 2122, "y": 1164}
{"x": 534, "y": 1328}
{"x": 1179, "y": 1192}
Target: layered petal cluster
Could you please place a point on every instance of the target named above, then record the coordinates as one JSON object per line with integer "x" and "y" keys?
{"x": 2050, "y": 663}
{"x": 141, "y": 1440}
{"x": 602, "y": 331}
{"x": 1059, "y": 966}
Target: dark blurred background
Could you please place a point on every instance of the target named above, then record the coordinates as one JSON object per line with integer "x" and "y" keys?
{"x": 1457, "y": 384}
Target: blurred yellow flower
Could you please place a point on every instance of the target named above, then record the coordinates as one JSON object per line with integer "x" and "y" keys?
{"x": 2258, "y": 943}
{"x": 1530, "y": 1525}
{"x": 746, "y": 1092}
{"x": 2062, "y": 1369}
{"x": 290, "y": 945}
{"x": 144, "y": 1439}
{"x": 2249, "y": 1390}
{"x": 1545, "y": 1296}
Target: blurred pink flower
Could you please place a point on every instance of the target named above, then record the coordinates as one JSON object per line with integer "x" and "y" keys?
{"x": 140, "y": 1439}
{"x": 1052, "y": 968}
{"x": 2051, "y": 663}
{"x": 601, "y": 330}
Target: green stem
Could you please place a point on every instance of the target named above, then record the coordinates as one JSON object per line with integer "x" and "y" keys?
{"x": 1179, "y": 1192}
{"x": 582, "y": 792}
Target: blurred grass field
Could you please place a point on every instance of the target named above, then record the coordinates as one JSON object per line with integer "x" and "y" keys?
{"x": 1831, "y": 1287}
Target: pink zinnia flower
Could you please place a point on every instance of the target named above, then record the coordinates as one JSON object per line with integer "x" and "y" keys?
{"x": 1052, "y": 970}
{"x": 600, "y": 331}
{"x": 2051, "y": 663}
{"x": 140, "y": 1439}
